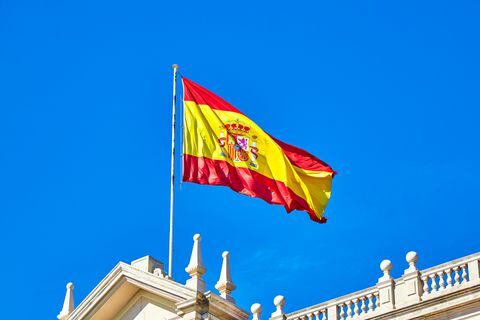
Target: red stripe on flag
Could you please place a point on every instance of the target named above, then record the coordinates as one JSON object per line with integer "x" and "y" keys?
{"x": 218, "y": 172}
{"x": 198, "y": 94}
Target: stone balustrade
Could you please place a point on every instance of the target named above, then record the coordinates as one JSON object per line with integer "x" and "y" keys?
{"x": 440, "y": 278}
{"x": 356, "y": 305}
{"x": 415, "y": 293}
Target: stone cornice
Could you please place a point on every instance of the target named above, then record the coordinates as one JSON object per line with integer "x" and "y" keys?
{"x": 223, "y": 308}
{"x": 121, "y": 274}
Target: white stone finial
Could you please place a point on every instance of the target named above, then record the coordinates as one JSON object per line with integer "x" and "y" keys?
{"x": 386, "y": 266}
{"x": 279, "y": 302}
{"x": 256, "y": 310}
{"x": 412, "y": 258}
{"x": 195, "y": 267}
{"x": 225, "y": 285}
{"x": 68, "y": 305}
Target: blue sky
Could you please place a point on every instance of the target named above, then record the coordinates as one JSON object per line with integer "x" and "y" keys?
{"x": 386, "y": 92}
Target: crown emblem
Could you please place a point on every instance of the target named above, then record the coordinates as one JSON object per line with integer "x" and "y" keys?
{"x": 237, "y": 128}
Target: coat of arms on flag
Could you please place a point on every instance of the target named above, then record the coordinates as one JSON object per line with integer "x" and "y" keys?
{"x": 237, "y": 144}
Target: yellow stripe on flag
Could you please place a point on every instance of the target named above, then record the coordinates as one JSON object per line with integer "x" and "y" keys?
{"x": 204, "y": 132}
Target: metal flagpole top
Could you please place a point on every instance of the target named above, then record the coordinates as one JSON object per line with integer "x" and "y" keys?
{"x": 174, "y": 66}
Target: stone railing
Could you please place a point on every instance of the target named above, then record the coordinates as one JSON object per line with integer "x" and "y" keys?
{"x": 391, "y": 295}
{"x": 440, "y": 278}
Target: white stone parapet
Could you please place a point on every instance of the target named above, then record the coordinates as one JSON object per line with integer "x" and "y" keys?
{"x": 416, "y": 293}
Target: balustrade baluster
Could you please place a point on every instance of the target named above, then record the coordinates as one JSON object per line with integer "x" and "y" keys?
{"x": 441, "y": 281}
{"x": 356, "y": 309}
{"x": 317, "y": 315}
{"x": 310, "y": 316}
{"x": 434, "y": 282}
{"x": 426, "y": 289}
{"x": 370, "y": 302}
{"x": 457, "y": 276}
{"x": 377, "y": 302}
{"x": 449, "y": 278}
{"x": 349, "y": 309}
{"x": 464, "y": 273}
{"x": 342, "y": 310}
{"x": 363, "y": 305}
{"x": 324, "y": 314}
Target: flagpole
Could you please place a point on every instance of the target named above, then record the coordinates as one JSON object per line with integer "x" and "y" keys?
{"x": 172, "y": 169}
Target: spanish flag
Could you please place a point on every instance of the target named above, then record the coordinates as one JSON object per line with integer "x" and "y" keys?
{"x": 224, "y": 147}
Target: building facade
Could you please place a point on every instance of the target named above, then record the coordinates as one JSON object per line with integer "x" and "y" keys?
{"x": 141, "y": 290}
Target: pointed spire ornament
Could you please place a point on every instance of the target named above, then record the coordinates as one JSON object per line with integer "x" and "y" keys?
{"x": 67, "y": 303}
{"x": 225, "y": 285}
{"x": 196, "y": 268}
